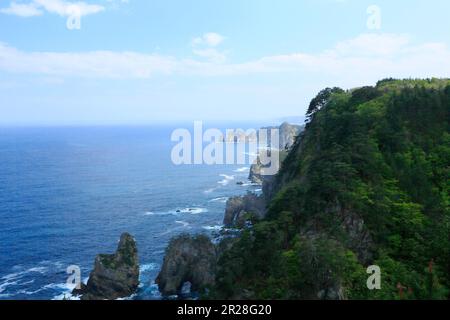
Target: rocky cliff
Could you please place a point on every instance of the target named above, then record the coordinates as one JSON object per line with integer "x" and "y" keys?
{"x": 187, "y": 260}
{"x": 239, "y": 210}
{"x": 365, "y": 185}
{"x": 288, "y": 134}
{"x": 114, "y": 275}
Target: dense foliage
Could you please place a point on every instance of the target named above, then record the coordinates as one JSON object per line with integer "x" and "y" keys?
{"x": 367, "y": 183}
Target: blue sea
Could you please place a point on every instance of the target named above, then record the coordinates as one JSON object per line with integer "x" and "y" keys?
{"x": 67, "y": 194}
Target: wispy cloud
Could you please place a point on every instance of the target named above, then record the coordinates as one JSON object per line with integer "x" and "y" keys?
{"x": 205, "y": 47}
{"x": 367, "y": 57}
{"x": 210, "y": 39}
{"x": 22, "y": 10}
{"x": 60, "y": 7}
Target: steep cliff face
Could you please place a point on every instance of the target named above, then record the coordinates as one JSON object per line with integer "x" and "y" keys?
{"x": 114, "y": 275}
{"x": 239, "y": 210}
{"x": 366, "y": 184}
{"x": 187, "y": 259}
{"x": 288, "y": 134}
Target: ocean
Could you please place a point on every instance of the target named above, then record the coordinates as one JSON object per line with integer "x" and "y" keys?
{"x": 67, "y": 194}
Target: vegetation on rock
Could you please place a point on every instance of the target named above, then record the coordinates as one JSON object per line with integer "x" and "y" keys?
{"x": 366, "y": 184}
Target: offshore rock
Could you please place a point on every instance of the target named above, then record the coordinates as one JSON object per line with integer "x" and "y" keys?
{"x": 188, "y": 259}
{"x": 114, "y": 275}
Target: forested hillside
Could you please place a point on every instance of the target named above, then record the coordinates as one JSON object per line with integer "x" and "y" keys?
{"x": 367, "y": 183}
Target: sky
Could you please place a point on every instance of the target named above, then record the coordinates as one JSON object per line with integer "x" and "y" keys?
{"x": 127, "y": 62}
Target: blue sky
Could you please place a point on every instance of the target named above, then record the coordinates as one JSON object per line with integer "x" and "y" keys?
{"x": 139, "y": 62}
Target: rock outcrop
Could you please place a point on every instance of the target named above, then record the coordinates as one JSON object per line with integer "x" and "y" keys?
{"x": 188, "y": 260}
{"x": 241, "y": 209}
{"x": 288, "y": 134}
{"x": 114, "y": 275}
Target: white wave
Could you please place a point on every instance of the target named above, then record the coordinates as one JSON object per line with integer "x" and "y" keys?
{"x": 28, "y": 293}
{"x": 13, "y": 279}
{"x": 66, "y": 296}
{"x": 127, "y": 298}
{"x": 6, "y": 284}
{"x": 226, "y": 179}
{"x": 65, "y": 291}
{"x": 183, "y": 223}
{"x": 191, "y": 210}
{"x": 60, "y": 286}
{"x": 220, "y": 199}
{"x": 151, "y": 213}
{"x": 175, "y": 212}
{"x": 213, "y": 228}
{"x": 148, "y": 267}
{"x": 209, "y": 190}
{"x": 12, "y": 276}
{"x": 41, "y": 270}
{"x": 243, "y": 169}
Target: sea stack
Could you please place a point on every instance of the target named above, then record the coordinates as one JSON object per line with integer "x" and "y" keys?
{"x": 188, "y": 259}
{"x": 114, "y": 275}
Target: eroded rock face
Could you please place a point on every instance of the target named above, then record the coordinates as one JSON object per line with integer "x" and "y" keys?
{"x": 287, "y": 136}
{"x": 255, "y": 173}
{"x": 188, "y": 259}
{"x": 239, "y": 209}
{"x": 114, "y": 275}
{"x": 359, "y": 238}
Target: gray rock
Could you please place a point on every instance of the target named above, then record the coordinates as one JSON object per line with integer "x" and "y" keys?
{"x": 187, "y": 259}
{"x": 288, "y": 134}
{"x": 239, "y": 209}
{"x": 114, "y": 275}
{"x": 255, "y": 172}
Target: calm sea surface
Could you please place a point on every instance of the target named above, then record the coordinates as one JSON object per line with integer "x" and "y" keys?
{"x": 66, "y": 194}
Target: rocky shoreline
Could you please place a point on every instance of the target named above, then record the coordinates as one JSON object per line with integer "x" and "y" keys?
{"x": 188, "y": 259}
{"x": 193, "y": 259}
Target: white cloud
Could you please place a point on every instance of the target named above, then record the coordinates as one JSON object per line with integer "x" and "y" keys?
{"x": 211, "y": 54}
{"x": 60, "y": 7}
{"x": 22, "y": 10}
{"x": 371, "y": 44}
{"x": 210, "y": 39}
{"x": 95, "y": 64}
{"x": 365, "y": 58}
{"x": 204, "y": 47}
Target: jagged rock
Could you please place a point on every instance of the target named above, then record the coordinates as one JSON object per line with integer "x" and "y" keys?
{"x": 79, "y": 291}
{"x": 114, "y": 275}
{"x": 187, "y": 259}
{"x": 239, "y": 209}
{"x": 359, "y": 238}
{"x": 255, "y": 172}
{"x": 288, "y": 133}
